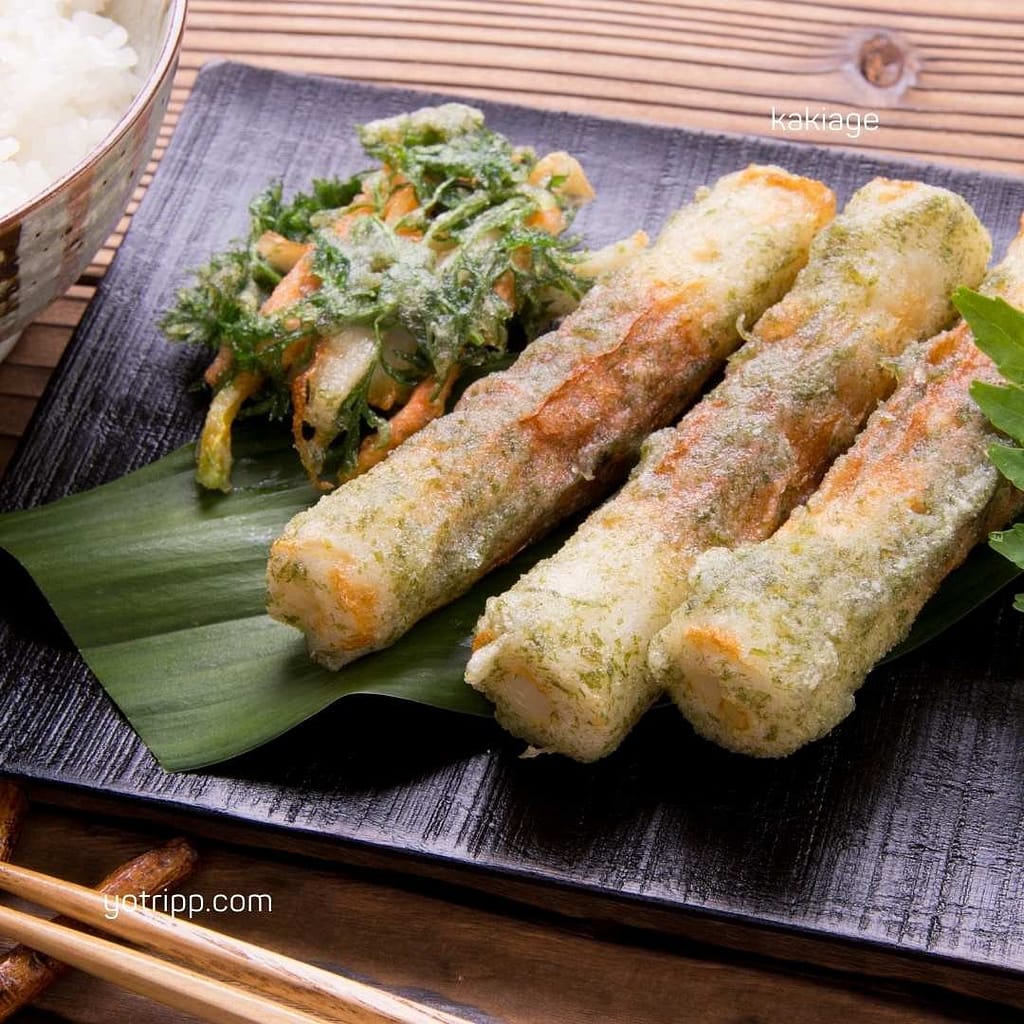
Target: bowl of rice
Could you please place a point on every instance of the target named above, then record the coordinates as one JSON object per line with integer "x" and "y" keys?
{"x": 85, "y": 84}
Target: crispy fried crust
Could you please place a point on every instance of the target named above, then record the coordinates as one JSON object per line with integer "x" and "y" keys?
{"x": 775, "y": 638}
{"x": 563, "y": 654}
{"x": 525, "y": 447}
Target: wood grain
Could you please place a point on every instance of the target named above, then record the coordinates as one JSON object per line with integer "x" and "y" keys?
{"x": 26, "y": 973}
{"x": 712, "y": 64}
{"x": 903, "y": 832}
{"x": 193, "y": 993}
{"x": 479, "y": 960}
{"x": 219, "y": 971}
{"x": 707, "y": 65}
{"x": 12, "y": 811}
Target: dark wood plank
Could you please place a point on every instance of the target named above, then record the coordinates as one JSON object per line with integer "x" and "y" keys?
{"x": 723, "y": 62}
{"x": 965, "y": 108}
{"x": 481, "y": 960}
{"x": 903, "y": 832}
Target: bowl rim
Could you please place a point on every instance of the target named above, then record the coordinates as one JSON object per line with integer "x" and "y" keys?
{"x": 161, "y": 67}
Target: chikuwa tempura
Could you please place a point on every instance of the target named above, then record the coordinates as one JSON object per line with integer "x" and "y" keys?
{"x": 527, "y": 446}
{"x": 563, "y": 653}
{"x": 775, "y": 638}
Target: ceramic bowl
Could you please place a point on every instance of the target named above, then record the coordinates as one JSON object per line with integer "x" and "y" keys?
{"x": 47, "y": 242}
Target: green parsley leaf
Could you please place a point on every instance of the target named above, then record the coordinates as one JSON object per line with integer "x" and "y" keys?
{"x": 1009, "y": 462}
{"x": 1003, "y": 405}
{"x": 1010, "y": 544}
{"x": 998, "y": 330}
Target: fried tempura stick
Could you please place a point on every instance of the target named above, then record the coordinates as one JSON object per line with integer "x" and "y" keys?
{"x": 563, "y": 653}
{"x": 776, "y": 638}
{"x": 24, "y": 973}
{"x": 528, "y": 446}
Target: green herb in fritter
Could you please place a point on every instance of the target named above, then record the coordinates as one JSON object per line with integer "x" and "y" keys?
{"x": 354, "y": 307}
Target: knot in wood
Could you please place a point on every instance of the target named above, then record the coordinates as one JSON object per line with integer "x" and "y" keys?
{"x": 881, "y": 61}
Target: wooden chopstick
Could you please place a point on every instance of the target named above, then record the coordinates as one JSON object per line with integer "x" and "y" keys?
{"x": 275, "y": 976}
{"x": 163, "y": 982}
{"x": 25, "y": 973}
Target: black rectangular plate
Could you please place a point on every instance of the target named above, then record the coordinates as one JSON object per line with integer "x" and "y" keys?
{"x": 903, "y": 830}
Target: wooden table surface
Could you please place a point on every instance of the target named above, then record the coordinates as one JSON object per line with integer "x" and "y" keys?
{"x": 946, "y": 78}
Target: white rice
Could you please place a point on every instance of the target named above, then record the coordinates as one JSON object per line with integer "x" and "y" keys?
{"x": 66, "y": 77}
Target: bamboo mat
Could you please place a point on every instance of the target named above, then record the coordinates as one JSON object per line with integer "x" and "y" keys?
{"x": 715, "y": 64}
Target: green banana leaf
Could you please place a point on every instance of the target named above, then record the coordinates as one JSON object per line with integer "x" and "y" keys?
{"x": 161, "y": 587}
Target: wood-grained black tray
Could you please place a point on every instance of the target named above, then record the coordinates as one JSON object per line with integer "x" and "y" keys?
{"x": 900, "y": 835}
